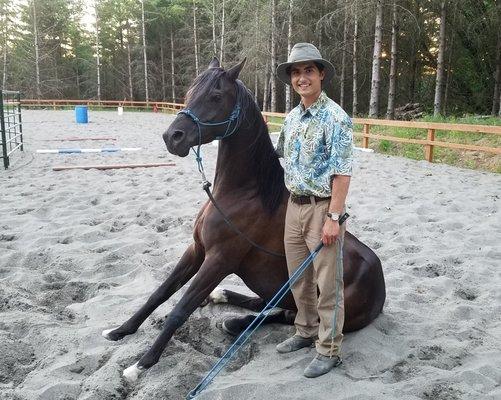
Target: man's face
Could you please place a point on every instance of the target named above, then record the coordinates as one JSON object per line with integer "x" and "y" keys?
{"x": 306, "y": 79}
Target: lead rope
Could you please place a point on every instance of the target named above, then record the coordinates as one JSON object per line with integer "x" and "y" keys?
{"x": 338, "y": 283}
{"x": 258, "y": 320}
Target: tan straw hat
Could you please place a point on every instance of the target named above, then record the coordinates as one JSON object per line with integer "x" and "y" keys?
{"x": 302, "y": 52}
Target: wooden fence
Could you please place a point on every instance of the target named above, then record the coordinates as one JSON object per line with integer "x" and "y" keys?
{"x": 431, "y": 127}
{"x": 55, "y": 104}
{"x": 429, "y": 143}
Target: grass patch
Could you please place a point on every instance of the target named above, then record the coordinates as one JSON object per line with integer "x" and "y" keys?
{"x": 460, "y": 158}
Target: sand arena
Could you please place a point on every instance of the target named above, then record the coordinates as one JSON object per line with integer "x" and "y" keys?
{"x": 81, "y": 250}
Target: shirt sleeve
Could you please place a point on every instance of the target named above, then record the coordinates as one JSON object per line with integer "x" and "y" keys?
{"x": 341, "y": 145}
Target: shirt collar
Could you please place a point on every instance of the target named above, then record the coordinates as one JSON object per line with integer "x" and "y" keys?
{"x": 316, "y": 106}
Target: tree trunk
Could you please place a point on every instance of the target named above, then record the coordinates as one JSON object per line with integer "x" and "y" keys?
{"x": 343, "y": 58}
{"x": 214, "y": 43}
{"x": 265, "y": 90}
{"x": 499, "y": 113}
{"x": 289, "y": 46}
{"x": 256, "y": 82}
{"x": 129, "y": 65}
{"x": 390, "y": 111}
{"x": 172, "y": 71}
{"x": 256, "y": 40}
{"x": 146, "y": 92}
{"x": 162, "y": 67}
{"x": 78, "y": 81}
{"x": 273, "y": 86}
{"x": 448, "y": 71}
{"x": 415, "y": 47}
{"x": 5, "y": 46}
{"x": 37, "y": 58}
{"x": 355, "y": 81}
{"x": 376, "y": 61}
{"x": 497, "y": 78}
{"x": 195, "y": 38}
{"x": 440, "y": 63}
{"x": 221, "y": 48}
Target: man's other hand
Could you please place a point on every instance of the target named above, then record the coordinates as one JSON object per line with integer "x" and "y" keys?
{"x": 330, "y": 232}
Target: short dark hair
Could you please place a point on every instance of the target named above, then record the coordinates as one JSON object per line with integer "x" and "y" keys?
{"x": 320, "y": 67}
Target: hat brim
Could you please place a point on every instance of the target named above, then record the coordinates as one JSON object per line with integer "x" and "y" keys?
{"x": 285, "y": 77}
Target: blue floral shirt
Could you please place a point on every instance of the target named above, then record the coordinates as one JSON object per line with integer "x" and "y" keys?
{"x": 316, "y": 143}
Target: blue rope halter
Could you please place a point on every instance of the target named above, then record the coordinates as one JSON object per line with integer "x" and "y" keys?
{"x": 198, "y": 155}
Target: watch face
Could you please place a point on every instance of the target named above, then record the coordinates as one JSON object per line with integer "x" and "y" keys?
{"x": 333, "y": 216}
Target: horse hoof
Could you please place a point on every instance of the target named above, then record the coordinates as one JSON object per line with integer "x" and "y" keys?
{"x": 132, "y": 373}
{"x": 218, "y": 295}
{"x": 231, "y": 327}
{"x": 108, "y": 334}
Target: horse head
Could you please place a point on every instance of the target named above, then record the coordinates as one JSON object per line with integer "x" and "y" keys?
{"x": 211, "y": 112}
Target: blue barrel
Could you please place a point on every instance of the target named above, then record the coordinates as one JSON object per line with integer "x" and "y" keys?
{"x": 81, "y": 114}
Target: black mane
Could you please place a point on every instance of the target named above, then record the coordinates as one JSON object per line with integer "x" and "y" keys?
{"x": 265, "y": 163}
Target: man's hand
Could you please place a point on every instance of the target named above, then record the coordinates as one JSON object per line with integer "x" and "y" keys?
{"x": 330, "y": 232}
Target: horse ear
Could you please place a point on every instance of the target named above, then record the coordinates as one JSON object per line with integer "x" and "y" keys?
{"x": 214, "y": 63}
{"x": 234, "y": 71}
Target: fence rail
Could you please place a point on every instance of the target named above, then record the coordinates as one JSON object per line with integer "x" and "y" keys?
{"x": 431, "y": 127}
{"x": 160, "y": 105}
{"x": 429, "y": 143}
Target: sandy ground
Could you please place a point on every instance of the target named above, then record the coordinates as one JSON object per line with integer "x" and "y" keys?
{"x": 81, "y": 250}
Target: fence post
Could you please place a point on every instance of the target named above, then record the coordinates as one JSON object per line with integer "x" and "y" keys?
{"x": 4, "y": 137}
{"x": 429, "y": 147}
{"x": 18, "y": 98}
{"x": 265, "y": 117}
{"x": 365, "y": 139}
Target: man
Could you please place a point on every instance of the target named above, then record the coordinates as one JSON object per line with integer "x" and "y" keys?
{"x": 316, "y": 142}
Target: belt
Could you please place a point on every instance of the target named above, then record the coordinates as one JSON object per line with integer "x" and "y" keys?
{"x": 307, "y": 199}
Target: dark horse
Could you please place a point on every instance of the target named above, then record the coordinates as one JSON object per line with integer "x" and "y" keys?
{"x": 249, "y": 188}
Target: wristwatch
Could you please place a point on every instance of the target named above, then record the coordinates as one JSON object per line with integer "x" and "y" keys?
{"x": 334, "y": 216}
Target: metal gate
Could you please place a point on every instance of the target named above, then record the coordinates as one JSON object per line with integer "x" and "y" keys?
{"x": 11, "y": 124}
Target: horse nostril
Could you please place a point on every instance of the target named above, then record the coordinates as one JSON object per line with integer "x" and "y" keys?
{"x": 177, "y": 136}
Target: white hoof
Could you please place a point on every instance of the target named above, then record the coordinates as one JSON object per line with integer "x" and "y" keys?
{"x": 218, "y": 296}
{"x": 132, "y": 373}
{"x": 106, "y": 333}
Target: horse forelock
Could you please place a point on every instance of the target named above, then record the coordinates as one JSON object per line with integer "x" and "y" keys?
{"x": 204, "y": 82}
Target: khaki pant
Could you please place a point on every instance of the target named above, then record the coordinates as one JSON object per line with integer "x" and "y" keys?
{"x": 315, "y": 315}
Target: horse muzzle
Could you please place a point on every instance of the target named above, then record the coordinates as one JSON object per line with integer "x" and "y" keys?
{"x": 176, "y": 141}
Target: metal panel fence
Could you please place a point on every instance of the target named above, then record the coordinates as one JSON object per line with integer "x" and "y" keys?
{"x": 10, "y": 124}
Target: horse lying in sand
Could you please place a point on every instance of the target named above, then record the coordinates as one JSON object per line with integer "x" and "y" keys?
{"x": 249, "y": 188}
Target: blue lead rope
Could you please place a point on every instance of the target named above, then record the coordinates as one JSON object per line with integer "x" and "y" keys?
{"x": 258, "y": 320}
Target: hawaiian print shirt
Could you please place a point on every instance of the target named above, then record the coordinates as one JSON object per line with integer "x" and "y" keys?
{"x": 316, "y": 143}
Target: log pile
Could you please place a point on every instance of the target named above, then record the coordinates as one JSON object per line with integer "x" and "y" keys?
{"x": 409, "y": 112}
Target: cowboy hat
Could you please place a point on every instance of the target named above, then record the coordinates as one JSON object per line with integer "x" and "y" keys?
{"x": 303, "y": 52}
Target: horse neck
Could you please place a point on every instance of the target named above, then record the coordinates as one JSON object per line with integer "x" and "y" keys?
{"x": 235, "y": 166}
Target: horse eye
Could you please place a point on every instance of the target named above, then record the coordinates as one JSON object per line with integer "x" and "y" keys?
{"x": 216, "y": 98}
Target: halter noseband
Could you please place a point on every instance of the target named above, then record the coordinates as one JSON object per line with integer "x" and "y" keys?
{"x": 233, "y": 117}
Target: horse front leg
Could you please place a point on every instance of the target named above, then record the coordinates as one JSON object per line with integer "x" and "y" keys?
{"x": 187, "y": 266}
{"x": 211, "y": 273}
